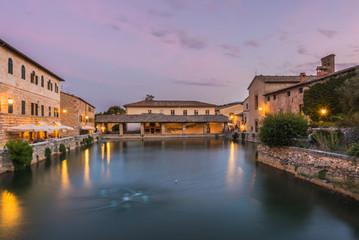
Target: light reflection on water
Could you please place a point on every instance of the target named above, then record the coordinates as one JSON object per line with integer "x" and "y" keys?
{"x": 128, "y": 189}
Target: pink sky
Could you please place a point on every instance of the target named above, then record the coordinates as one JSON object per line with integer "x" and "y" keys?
{"x": 115, "y": 52}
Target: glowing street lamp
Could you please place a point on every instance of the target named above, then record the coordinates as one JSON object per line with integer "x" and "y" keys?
{"x": 10, "y": 101}
{"x": 260, "y": 109}
{"x": 323, "y": 111}
{"x": 64, "y": 111}
{"x": 86, "y": 117}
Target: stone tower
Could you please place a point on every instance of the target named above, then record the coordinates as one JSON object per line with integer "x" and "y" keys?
{"x": 328, "y": 65}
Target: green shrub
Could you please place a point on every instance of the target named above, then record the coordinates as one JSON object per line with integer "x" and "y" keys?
{"x": 116, "y": 127}
{"x": 68, "y": 149}
{"x": 20, "y": 153}
{"x": 328, "y": 140}
{"x": 243, "y": 136}
{"x": 354, "y": 150}
{"x": 281, "y": 129}
{"x": 48, "y": 153}
{"x": 62, "y": 148}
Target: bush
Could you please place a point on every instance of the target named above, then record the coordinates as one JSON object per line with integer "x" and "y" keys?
{"x": 328, "y": 140}
{"x": 62, "y": 148}
{"x": 48, "y": 153}
{"x": 354, "y": 150}
{"x": 281, "y": 129}
{"x": 20, "y": 153}
{"x": 243, "y": 136}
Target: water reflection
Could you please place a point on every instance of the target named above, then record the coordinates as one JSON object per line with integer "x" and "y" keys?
{"x": 233, "y": 172}
{"x": 64, "y": 175}
{"x": 108, "y": 153}
{"x": 103, "y": 151}
{"x": 87, "y": 168}
{"x": 10, "y": 212}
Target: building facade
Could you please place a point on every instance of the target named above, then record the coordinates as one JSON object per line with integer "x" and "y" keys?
{"x": 30, "y": 94}
{"x": 234, "y": 112}
{"x": 78, "y": 114}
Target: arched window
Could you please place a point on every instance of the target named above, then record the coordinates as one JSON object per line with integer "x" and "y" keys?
{"x": 32, "y": 79}
{"x": 23, "y": 72}
{"x": 9, "y": 66}
{"x": 42, "y": 81}
{"x": 48, "y": 84}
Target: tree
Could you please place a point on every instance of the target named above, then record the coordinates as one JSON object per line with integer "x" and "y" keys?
{"x": 349, "y": 94}
{"x": 149, "y": 97}
{"x": 324, "y": 96}
{"x": 20, "y": 153}
{"x": 114, "y": 110}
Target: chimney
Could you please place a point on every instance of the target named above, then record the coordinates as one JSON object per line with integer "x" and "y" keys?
{"x": 302, "y": 76}
{"x": 328, "y": 65}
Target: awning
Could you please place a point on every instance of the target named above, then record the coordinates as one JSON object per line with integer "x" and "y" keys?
{"x": 63, "y": 127}
{"x": 27, "y": 128}
{"x": 87, "y": 128}
{"x": 49, "y": 127}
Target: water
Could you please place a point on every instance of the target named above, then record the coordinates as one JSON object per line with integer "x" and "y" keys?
{"x": 175, "y": 189}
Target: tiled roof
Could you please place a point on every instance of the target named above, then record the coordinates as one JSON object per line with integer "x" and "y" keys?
{"x": 279, "y": 79}
{"x": 72, "y": 95}
{"x": 14, "y": 50}
{"x": 160, "y": 118}
{"x": 168, "y": 103}
{"x": 316, "y": 79}
{"x": 229, "y": 105}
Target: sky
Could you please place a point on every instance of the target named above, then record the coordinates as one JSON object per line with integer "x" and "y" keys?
{"x": 114, "y": 52}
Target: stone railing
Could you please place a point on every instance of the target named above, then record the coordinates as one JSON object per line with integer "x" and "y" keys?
{"x": 39, "y": 149}
{"x": 337, "y": 172}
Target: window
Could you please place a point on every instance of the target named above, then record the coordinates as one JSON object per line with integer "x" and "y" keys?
{"x": 161, "y": 111}
{"x": 9, "y": 66}
{"x": 51, "y": 86}
{"x": 42, "y": 81}
{"x": 247, "y": 106}
{"x": 256, "y": 102}
{"x": 207, "y": 112}
{"x": 54, "y": 112}
{"x": 172, "y": 112}
{"x": 55, "y": 87}
{"x": 37, "y": 109}
{"x": 32, "y": 108}
{"x": 268, "y": 99}
{"x": 32, "y": 77}
{"x": 301, "y": 90}
{"x": 149, "y": 111}
{"x": 80, "y": 118}
{"x": 37, "y": 80}
{"x": 49, "y": 111}
{"x": 23, "y": 72}
{"x": 48, "y": 84}
{"x": 42, "y": 110}
{"x": 195, "y": 112}
{"x": 23, "y": 107}
{"x": 288, "y": 93}
{"x": 10, "y": 107}
{"x": 184, "y": 112}
{"x": 274, "y": 97}
{"x": 90, "y": 109}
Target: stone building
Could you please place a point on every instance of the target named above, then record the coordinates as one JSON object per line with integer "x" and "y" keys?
{"x": 245, "y": 115}
{"x": 29, "y": 94}
{"x": 78, "y": 114}
{"x": 272, "y": 94}
{"x": 167, "y": 118}
{"x": 234, "y": 113}
{"x": 290, "y": 99}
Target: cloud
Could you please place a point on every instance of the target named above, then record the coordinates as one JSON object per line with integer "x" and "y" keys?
{"x": 163, "y": 14}
{"x": 113, "y": 27}
{"x": 252, "y": 43}
{"x": 173, "y": 36}
{"x": 283, "y": 34}
{"x": 177, "y": 4}
{"x": 231, "y": 50}
{"x": 328, "y": 33}
{"x": 302, "y": 50}
{"x": 204, "y": 83}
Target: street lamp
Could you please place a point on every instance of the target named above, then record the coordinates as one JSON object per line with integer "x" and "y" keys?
{"x": 10, "y": 101}
{"x": 64, "y": 111}
{"x": 323, "y": 111}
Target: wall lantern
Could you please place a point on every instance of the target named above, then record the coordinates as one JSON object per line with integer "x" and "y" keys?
{"x": 231, "y": 116}
{"x": 323, "y": 111}
{"x": 64, "y": 111}
{"x": 260, "y": 109}
{"x": 86, "y": 117}
{"x": 10, "y": 101}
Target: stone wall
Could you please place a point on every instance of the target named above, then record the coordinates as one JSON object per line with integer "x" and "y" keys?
{"x": 334, "y": 171}
{"x": 39, "y": 149}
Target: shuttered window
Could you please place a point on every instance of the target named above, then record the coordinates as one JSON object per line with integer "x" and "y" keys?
{"x": 23, "y": 107}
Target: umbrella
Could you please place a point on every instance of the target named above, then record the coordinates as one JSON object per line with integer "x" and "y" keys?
{"x": 27, "y": 128}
